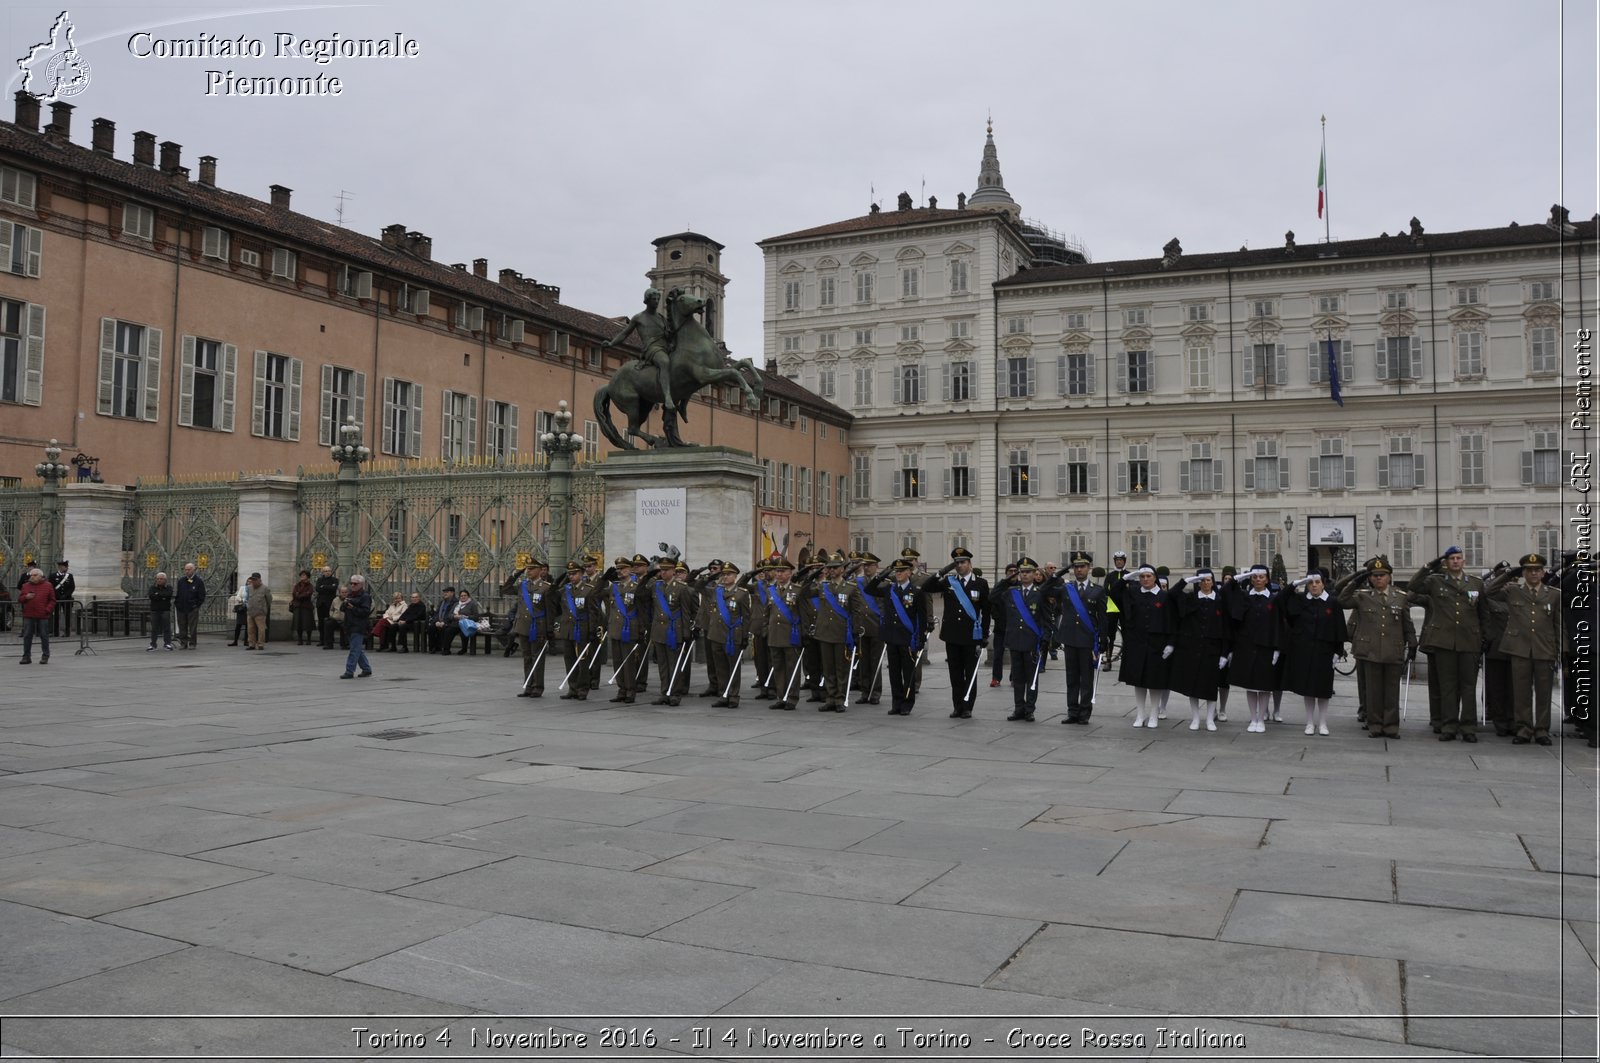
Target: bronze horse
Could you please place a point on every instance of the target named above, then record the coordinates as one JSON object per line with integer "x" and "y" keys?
{"x": 696, "y": 363}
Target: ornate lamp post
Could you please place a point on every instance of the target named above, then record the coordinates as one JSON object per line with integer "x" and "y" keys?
{"x": 560, "y": 445}
{"x": 52, "y": 470}
{"x": 349, "y": 453}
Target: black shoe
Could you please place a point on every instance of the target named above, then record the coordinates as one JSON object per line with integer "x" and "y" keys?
{"x": 1374, "y": 734}
{"x": 1542, "y": 740}
{"x": 1447, "y": 736}
{"x": 619, "y": 698}
{"x": 527, "y": 694}
{"x": 365, "y": 674}
{"x": 673, "y": 701}
{"x": 1469, "y": 738}
{"x": 1437, "y": 729}
{"x": 814, "y": 697}
{"x": 1518, "y": 740}
{"x": 965, "y": 714}
{"x": 720, "y": 703}
{"x": 568, "y": 696}
{"x": 778, "y": 705}
{"x": 1028, "y": 718}
{"x": 1015, "y": 717}
{"x": 956, "y": 715}
{"x": 660, "y": 701}
{"x": 874, "y": 699}
{"x": 347, "y": 675}
{"x": 235, "y": 642}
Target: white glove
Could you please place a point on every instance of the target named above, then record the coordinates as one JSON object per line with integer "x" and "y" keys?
{"x": 1275, "y": 656}
{"x": 1336, "y": 659}
{"x": 1166, "y": 652}
{"x": 1222, "y": 662}
{"x": 1105, "y": 659}
{"x": 1301, "y": 582}
{"x": 1131, "y": 577}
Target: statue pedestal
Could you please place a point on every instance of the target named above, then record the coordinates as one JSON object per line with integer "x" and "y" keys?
{"x": 700, "y": 499}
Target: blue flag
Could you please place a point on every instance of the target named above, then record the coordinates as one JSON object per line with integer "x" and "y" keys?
{"x": 1333, "y": 373}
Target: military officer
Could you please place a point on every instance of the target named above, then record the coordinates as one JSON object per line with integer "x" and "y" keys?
{"x": 1452, "y": 637}
{"x": 867, "y": 614}
{"x": 785, "y": 633}
{"x": 758, "y": 581}
{"x": 627, "y": 628}
{"x": 1081, "y": 631}
{"x": 578, "y": 629}
{"x": 725, "y": 618}
{"x": 997, "y": 623}
{"x": 530, "y": 622}
{"x": 963, "y": 627}
{"x": 1383, "y": 639}
{"x": 904, "y": 631}
{"x": 700, "y": 580}
{"x": 834, "y": 632}
{"x": 1533, "y": 640}
{"x": 1026, "y": 619}
{"x": 672, "y": 611}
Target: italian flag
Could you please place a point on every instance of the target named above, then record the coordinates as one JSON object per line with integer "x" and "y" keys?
{"x": 1322, "y": 181}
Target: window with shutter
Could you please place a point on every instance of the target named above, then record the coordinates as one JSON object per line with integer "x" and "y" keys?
{"x": 21, "y": 352}
{"x": 21, "y": 249}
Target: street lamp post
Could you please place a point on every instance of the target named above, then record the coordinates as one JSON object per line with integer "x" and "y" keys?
{"x": 349, "y": 453}
{"x": 560, "y": 445}
{"x": 52, "y": 471}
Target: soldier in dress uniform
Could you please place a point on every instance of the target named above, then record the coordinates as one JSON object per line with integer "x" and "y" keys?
{"x": 1452, "y": 637}
{"x": 725, "y": 618}
{"x": 700, "y": 580}
{"x": 1204, "y": 631}
{"x": 672, "y": 612}
{"x": 963, "y": 627}
{"x": 1498, "y": 698}
{"x": 785, "y": 635}
{"x": 1027, "y": 616}
{"x": 1148, "y": 633}
{"x": 529, "y": 589}
{"x": 904, "y": 631}
{"x": 593, "y": 561}
{"x": 868, "y": 619}
{"x": 758, "y": 582}
{"x": 997, "y": 623}
{"x": 1082, "y": 632}
{"x": 578, "y": 629}
{"x": 1383, "y": 639}
{"x": 1533, "y": 640}
{"x": 834, "y": 632}
{"x": 1317, "y": 634}
{"x": 1257, "y": 640}
{"x": 918, "y": 581}
{"x": 810, "y": 649}
{"x": 627, "y": 626}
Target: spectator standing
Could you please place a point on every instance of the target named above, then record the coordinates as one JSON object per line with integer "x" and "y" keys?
{"x": 38, "y": 600}
{"x": 302, "y": 607}
{"x": 64, "y": 586}
{"x": 161, "y": 594}
{"x": 327, "y": 587}
{"x": 189, "y": 596}
{"x": 258, "y": 609}
{"x": 357, "y": 608}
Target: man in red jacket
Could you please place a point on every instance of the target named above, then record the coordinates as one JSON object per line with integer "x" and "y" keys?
{"x": 38, "y": 601}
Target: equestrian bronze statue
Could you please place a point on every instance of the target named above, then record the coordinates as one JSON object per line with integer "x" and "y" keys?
{"x": 680, "y": 358}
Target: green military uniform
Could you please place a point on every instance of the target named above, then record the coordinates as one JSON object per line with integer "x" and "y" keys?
{"x": 834, "y": 633}
{"x": 672, "y": 609}
{"x": 867, "y": 616}
{"x": 758, "y": 583}
{"x": 700, "y": 580}
{"x": 785, "y": 634}
{"x": 579, "y": 627}
{"x": 725, "y": 618}
{"x": 1533, "y": 640}
{"x": 1382, "y": 638}
{"x": 626, "y": 625}
{"x": 531, "y": 614}
{"x": 1452, "y": 637}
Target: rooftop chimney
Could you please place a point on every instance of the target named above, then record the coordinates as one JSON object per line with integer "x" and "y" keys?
{"x": 208, "y": 170}
{"x": 104, "y": 137}
{"x": 933, "y": 202}
{"x": 509, "y": 278}
{"x": 1170, "y": 253}
{"x": 60, "y": 121}
{"x": 144, "y": 148}
{"x": 420, "y": 245}
{"x": 170, "y": 156}
{"x": 394, "y": 235}
{"x": 480, "y": 268}
{"x": 27, "y": 110}
{"x": 280, "y": 196}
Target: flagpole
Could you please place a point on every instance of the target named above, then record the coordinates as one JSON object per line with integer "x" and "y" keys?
{"x": 1327, "y": 201}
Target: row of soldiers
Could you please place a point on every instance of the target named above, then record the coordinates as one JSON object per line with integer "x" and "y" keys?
{"x": 848, "y": 624}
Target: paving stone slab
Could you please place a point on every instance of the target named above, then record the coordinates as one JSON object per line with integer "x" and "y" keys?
{"x": 171, "y": 829}
{"x": 952, "y": 811}
{"x": 1305, "y": 990}
{"x": 531, "y": 773}
{"x": 502, "y": 963}
{"x": 1081, "y": 853}
{"x": 27, "y": 806}
{"x": 310, "y": 925}
{"x": 200, "y": 981}
{"x": 1203, "y": 832}
{"x": 586, "y": 806}
{"x": 576, "y": 895}
{"x": 1400, "y": 843}
{"x": 15, "y": 842}
{"x": 44, "y": 949}
{"x": 610, "y": 781}
{"x": 1154, "y": 907}
{"x": 1571, "y": 855}
{"x": 825, "y": 872}
{"x": 577, "y": 843}
{"x": 90, "y": 879}
{"x": 1280, "y": 806}
{"x": 1398, "y": 931}
{"x": 888, "y": 939}
{"x": 1473, "y": 1010}
{"x": 716, "y": 767}
{"x": 1534, "y": 893}
{"x": 791, "y": 796}
{"x": 1273, "y": 870}
{"x": 385, "y": 817}
{"x": 1107, "y": 794}
{"x": 905, "y": 782}
{"x": 812, "y": 830}
{"x": 472, "y": 744}
{"x": 348, "y": 858}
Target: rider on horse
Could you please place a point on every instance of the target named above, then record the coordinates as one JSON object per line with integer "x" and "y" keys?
{"x": 656, "y": 337}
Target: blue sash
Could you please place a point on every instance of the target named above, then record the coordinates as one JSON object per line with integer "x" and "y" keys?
{"x": 533, "y": 617}
{"x": 870, "y": 599}
{"x": 915, "y": 630}
{"x": 967, "y": 607}
{"x": 1083, "y": 617}
{"x": 788, "y": 617}
{"x": 730, "y": 644}
{"x": 1027, "y": 617}
{"x": 833, "y": 603}
{"x": 577, "y": 618}
{"x": 627, "y": 617}
{"x": 672, "y": 618}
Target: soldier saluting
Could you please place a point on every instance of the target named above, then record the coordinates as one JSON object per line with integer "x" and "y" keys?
{"x": 1382, "y": 639}
{"x": 1533, "y": 641}
{"x": 1452, "y": 637}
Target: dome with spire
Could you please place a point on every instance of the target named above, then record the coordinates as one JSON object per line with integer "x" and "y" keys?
{"x": 991, "y": 193}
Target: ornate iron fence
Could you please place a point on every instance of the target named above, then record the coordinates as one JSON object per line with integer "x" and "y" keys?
{"x": 170, "y": 524}
{"x": 28, "y": 535}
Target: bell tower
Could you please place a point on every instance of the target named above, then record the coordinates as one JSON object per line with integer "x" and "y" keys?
{"x": 694, "y": 263}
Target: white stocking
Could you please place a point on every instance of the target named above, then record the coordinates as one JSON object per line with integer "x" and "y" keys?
{"x": 1139, "y": 696}
{"x": 1161, "y": 703}
{"x": 1311, "y": 715}
{"x": 1211, "y": 716}
{"x": 1194, "y": 713}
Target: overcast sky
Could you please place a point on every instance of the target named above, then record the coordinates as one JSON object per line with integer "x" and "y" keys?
{"x": 559, "y": 139}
